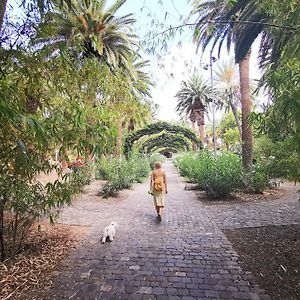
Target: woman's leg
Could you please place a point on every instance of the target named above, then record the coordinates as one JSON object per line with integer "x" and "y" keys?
{"x": 157, "y": 209}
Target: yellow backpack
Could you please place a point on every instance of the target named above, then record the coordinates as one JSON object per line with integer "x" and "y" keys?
{"x": 158, "y": 183}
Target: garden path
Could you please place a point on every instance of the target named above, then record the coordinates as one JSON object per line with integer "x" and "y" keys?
{"x": 283, "y": 211}
{"x": 186, "y": 256}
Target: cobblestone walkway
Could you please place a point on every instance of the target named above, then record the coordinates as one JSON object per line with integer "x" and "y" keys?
{"x": 284, "y": 211}
{"x": 186, "y": 256}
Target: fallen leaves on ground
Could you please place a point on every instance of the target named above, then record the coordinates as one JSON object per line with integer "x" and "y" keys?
{"x": 31, "y": 270}
{"x": 240, "y": 197}
{"x": 272, "y": 255}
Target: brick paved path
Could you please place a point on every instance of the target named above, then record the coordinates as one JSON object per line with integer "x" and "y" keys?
{"x": 283, "y": 211}
{"x": 186, "y": 256}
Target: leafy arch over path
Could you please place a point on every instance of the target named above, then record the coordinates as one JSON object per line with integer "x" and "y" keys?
{"x": 166, "y": 139}
{"x": 167, "y": 149}
{"x": 157, "y": 128}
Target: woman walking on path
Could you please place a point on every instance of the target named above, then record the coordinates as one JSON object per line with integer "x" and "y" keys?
{"x": 158, "y": 188}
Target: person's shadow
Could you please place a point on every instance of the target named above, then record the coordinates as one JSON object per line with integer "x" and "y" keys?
{"x": 152, "y": 219}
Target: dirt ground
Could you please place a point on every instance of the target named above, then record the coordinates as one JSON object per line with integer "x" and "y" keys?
{"x": 239, "y": 197}
{"x": 272, "y": 255}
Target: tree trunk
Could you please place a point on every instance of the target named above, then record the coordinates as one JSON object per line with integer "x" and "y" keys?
{"x": 237, "y": 120}
{"x": 246, "y": 110}
{"x": 202, "y": 132}
{"x": 131, "y": 125}
{"x": 201, "y": 124}
{"x": 227, "y": 146}
{"x": 3, "y": 4}
{"x": 194, "y": 146}
{"x": 193, "y": 120}
{"x": 193, "y": 126}
{"x": 2, "y": 246}
{"x": 119, "y": 138}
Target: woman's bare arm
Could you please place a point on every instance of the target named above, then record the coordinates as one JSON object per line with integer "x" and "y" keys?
{"x": 151, "y": 180}
{"x": 165, "y": 182}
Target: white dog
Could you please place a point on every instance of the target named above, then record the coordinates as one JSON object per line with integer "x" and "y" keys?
{"x": 109, "y": 231}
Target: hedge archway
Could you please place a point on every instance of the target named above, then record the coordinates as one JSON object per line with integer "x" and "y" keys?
{"x": 176, "y": 145}
{"x": 157, "y": 128}
{"x": 167, "y": 149}
{"x": 165, "y": 139}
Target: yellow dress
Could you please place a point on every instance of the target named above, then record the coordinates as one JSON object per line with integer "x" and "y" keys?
{"x": 159, "y": 198}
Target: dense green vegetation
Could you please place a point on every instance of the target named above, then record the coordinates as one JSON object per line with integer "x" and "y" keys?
{"x": 64, "y": 92}
{"x": 121, "y": 173}
{"x": 165, "y": 139}
{"x": 220, "y": 176}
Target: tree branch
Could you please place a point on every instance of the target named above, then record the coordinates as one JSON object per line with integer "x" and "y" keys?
{"x": 225, "y": 22}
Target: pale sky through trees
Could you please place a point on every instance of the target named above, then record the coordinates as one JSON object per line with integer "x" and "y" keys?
{"x": 169, "y": 71}
{"x": 177, "y": 63}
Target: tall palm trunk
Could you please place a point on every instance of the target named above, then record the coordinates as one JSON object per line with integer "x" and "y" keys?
{"x": 236, "y": 117}
{"x": 194, "y": 146}
{"x": 131, "y": 125}
{"x": 246, "y": 110}
{"x": 193, "y": 126}
{"x": 202, "y": 132}
{"x": 193, "y": 120}
{"x": 201, "y": 124}
{"x": 3, "y": 4}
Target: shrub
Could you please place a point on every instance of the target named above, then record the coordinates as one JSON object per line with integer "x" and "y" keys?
{"x": 81, "y": 176}
{"x": 280, "y": 159}
{"x": 217, "y": 176}
{"x": 23, "y": 201}
{"x": 111, "y": 189}
{"x": 121, "y": 173}
{"x": 222, "y": 175}
{"x": 255, "y": 182}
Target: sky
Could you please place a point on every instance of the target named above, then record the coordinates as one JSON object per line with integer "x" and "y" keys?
{"x": 177, "y": 63}
{"x": 169, "y": 67}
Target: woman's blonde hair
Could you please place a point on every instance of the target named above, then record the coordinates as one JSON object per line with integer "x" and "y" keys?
{"x": 157, "y": 165}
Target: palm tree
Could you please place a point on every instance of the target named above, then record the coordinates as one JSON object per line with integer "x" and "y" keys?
{"x": 192, "y": 101}
{"x": 132, "y": 113}
{"x": 141, "y": 81}
{"x": 86, "y": 23}
{"x": 222, "y": 21}
{"x": 3, "y": 4}
{"x": 227, "y": 84}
